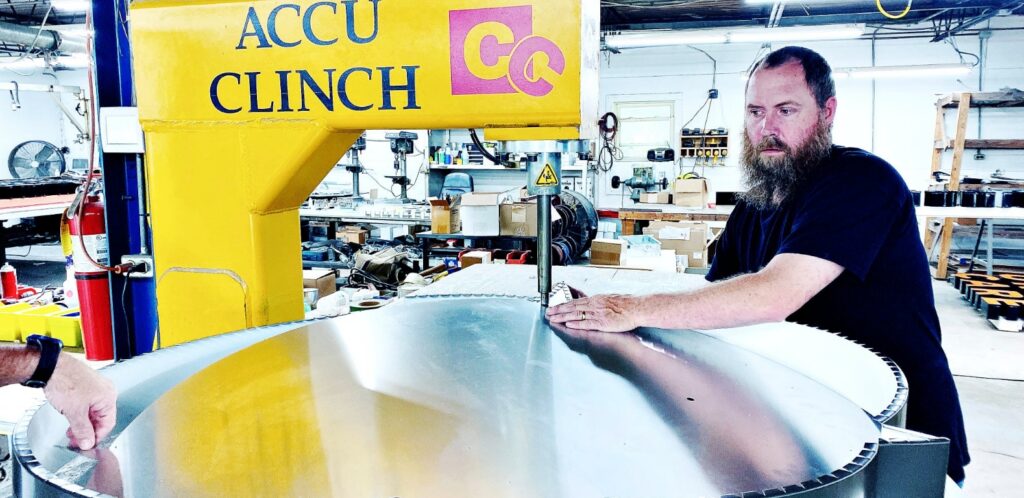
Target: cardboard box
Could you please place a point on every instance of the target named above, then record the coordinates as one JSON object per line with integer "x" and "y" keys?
{"x": 354, "y": 235}
{"x": 607, "y": 252}
{"x": 480, "y": 214}
{"x": 689, "y": 239}
{"x": 324, "y": 281}
{"x": 475, "y": 258}
{"x": 444, "y": 216}
{"x": 656, "y": 198}
{"x": 690, "y": 193}
{"x": 519, "y": 219}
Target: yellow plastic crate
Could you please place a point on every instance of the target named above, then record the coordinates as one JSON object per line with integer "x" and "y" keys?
{"x": 67, "y": 326}
{"x": 34, "y": 320}
{"x": 9, "y": 329}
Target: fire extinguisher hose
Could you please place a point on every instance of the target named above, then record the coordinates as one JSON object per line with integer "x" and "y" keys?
{"x": 118, "y": 269}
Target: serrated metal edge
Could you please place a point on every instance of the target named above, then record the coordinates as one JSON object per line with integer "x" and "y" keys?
{"x": 900, "y": 397}
{"x": 866, "y": 455}
{"x": 470, "y": 295}
{"x": 24, "y": 457}
{"x": 26, "y": 460}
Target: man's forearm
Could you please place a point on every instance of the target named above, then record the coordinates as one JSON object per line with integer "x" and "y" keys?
{"x": 17, "y": 364}
{"x": 744, "y": 300}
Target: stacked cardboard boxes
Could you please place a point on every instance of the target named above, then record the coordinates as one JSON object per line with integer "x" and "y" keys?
{"x": 688, "y": 239}
{"x": 690, "y": 193}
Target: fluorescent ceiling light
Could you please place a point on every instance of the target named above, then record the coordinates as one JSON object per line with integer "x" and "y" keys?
{"x": 909, "y": 71}
{"x": 712, "y": 37}
{"x": 71, "y": 5}
{"x": 664, "y": 39}
{"x": 765, "y": 35}
{"x": 896, "y": 72}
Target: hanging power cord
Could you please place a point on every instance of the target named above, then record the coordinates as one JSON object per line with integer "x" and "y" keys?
{"x": 381, "y": 185}
{"x": 712, "y": 95}
{"x": 757, "y": 57}
{"x": 695, "y": 114}
{"x": 609, "y": 153}
{"x": 704, "y": 132}
{"x": 961, "y": 53}
{"x": 424, "y": 166}
{"x": 901, "y": 15}
{"x": 22, "y": 255}
{"x": 483, "y": 150}
{"x": 124, "y": 305}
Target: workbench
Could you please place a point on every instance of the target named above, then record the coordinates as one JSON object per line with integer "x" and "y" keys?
{"x": 426, "y": 238}
{"x": 359, "y": 215}
{"x": 666, "y": 212}
{"x": 29, "y": 207}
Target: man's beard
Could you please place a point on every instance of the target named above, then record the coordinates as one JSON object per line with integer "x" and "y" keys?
{"x": 772, "y": 181}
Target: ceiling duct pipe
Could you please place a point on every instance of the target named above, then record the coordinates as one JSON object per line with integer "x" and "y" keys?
{"x": 45, "y": 40}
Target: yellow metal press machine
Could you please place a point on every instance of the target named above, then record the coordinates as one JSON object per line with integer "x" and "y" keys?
{"x": 247, "y": 105}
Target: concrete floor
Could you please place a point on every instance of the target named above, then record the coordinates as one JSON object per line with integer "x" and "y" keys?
{"x": 987, "y": 364}
{"x": 989, "y": 372}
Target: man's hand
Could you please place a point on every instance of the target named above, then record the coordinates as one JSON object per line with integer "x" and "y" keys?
{"x": 86, "y": 398}
{"x": 607, "y": 313}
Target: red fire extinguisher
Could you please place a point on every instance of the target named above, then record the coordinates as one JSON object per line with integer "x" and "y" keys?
{"x": 89, "y": 234}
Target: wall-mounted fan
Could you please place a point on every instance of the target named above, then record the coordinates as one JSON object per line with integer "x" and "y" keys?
{"x": 36, "y": 159}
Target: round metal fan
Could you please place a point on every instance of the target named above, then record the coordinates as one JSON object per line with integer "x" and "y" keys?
{"x": 36, "y": 159}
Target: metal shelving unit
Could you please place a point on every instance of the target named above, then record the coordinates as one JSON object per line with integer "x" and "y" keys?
{"x": 964, "y": 102}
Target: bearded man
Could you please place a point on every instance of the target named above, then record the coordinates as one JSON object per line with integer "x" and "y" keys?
{"x": 825, "y": 236}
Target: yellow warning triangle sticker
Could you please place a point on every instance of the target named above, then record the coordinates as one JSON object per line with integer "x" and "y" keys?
{"x": 547, "y": 177}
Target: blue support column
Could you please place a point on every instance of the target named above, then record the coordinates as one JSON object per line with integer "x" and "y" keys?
{"x": 133, "y": 309}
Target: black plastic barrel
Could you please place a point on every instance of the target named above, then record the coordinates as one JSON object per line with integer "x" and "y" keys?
{"x": 935, "y": 198}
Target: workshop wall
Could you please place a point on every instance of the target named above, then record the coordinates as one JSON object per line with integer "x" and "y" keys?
{"x": 898, "y": 124}
{"x": 39, "y": 117}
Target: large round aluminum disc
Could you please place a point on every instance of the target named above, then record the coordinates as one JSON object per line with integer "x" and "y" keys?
{"x": 443, "y": 397}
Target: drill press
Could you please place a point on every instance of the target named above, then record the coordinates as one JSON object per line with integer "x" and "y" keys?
{"x": 401, "y": 146}
{"x": 356, "y": 167}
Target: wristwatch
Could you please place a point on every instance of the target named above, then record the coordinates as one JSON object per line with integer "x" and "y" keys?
{"x": 49, "y": 351}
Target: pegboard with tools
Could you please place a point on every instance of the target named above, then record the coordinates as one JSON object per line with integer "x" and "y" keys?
{"x": 711, "y": 144}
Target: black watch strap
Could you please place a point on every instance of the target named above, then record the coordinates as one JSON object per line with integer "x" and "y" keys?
{"x": 49, "y": 352}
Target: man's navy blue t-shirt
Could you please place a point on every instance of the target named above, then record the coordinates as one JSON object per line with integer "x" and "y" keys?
{"x": 857, "y": 212}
